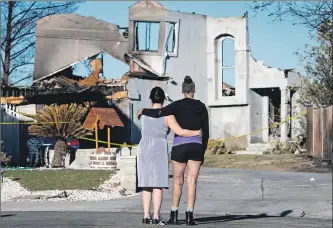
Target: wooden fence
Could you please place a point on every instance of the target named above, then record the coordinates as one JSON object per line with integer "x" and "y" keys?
{"x": 10, "y": 135}
{"x": 320, "y": 133}
{"x": 14, "y": 135}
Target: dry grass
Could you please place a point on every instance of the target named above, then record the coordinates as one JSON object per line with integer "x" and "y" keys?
{"x": 285, "y": 162}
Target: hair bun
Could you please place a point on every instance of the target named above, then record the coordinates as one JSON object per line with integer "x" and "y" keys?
{"x": 188, "y": 79}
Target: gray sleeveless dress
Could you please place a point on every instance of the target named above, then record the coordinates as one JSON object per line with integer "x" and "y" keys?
{"x": 152, "y": 159}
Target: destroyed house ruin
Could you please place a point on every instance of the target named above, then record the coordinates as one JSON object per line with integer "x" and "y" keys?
{"x": 161, "y": 47}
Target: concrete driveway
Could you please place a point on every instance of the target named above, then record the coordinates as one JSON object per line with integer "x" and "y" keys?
{"x": 249, "y": 193}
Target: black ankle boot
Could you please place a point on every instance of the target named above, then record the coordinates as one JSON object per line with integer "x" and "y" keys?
{"x": 189, "y": 218}
{"x": 173, "y": 220}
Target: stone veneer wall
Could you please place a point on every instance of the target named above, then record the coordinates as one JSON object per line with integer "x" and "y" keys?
{"x": 128, "y": 169}
{"x": 128, "y": 173}
{"x": 103, "y": 160}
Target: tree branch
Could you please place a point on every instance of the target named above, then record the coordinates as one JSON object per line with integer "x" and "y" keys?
{"x": 43, "y": 7}
{"x": 2, "y": 63}
{"x": 20, "y": 52}
{"x": 23, "y": 13}
{"x": 20, "y": 80}
{"x": 28, "y": 33}
{"x": 309, "y": 14}
{"x": 22, "y": 21}
{"x": 23, "y": 39}
{"x": 19, "y": 65}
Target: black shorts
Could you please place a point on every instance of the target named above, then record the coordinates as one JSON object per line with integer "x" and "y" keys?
{"x": 189, "y": 151}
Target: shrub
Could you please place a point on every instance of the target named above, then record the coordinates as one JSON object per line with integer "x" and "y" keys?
{"x": 4, "y": 159}
{"x": 72, "y": 114}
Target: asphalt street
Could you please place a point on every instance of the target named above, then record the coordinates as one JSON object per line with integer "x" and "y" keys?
{"x": 222, "y": 191}
{"x": 287, "y": 199}
{"x": 104, "y": 219}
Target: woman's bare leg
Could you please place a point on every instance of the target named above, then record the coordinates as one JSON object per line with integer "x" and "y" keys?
{"x": 157, "y": 201}
{"x": 193, "y": 168}
{"x": 146, "y": 199}
{"x": 178, "y": 180}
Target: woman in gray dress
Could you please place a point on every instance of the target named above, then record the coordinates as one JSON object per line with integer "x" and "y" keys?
{"x": 152, "y": 160}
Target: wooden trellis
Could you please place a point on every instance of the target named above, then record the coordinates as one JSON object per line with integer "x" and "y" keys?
{"x": 100, "y": 117}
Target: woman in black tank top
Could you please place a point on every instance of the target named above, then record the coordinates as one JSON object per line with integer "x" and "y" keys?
{"x": 186, "y": 152}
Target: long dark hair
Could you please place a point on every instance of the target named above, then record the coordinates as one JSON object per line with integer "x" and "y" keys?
{"x": 157, "y": 95}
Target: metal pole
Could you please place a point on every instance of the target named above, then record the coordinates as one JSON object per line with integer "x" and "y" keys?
{"x": 109, "y": 140}
{"x": 96, "y": 137}
{"x": 262, "y": 188}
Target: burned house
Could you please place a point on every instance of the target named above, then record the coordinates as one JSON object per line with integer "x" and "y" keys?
{"x": 160, "y": 48}
{"x": 201, "y": 46}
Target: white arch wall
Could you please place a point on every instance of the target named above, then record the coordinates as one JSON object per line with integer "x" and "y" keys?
{"x": 230, "y": 116}
{"x": 236, "y": 27}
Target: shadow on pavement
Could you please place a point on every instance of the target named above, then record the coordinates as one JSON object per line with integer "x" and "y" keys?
{"x": 226, "y": 218}
{"x": 8, "y": 215}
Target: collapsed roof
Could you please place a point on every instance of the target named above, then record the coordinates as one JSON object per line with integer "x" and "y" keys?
{"x": 65, "y": 39}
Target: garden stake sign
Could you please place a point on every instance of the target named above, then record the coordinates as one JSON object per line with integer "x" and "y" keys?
{"x": 98, "y": 118}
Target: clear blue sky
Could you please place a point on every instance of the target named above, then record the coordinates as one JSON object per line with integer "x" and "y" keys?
{"x": 273, "y": 43}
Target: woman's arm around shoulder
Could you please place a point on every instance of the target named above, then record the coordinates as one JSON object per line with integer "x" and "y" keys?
{"x": 174, "y": 126}
{"x": 170, "y": 109}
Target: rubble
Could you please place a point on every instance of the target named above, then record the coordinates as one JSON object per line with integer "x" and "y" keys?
{"x": 228, "y": 90}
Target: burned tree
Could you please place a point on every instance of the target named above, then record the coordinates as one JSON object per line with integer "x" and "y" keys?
{"x": 18, "y": 23}
{"x": 310, "y": 14}
{"x": 318, "y": 60}
{"x": 317, "y": 88}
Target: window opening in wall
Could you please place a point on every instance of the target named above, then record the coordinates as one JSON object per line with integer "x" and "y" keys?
{"x": 171, "y": 37}
{"x": 147, "y": 36}
{"x": 228, "y": 75}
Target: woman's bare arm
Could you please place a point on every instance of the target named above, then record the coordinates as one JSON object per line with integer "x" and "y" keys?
{"x": 205, "y": 129}
{"x": 174, "y": 126}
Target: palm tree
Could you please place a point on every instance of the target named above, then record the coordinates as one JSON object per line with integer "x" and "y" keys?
{"x": 51, "y": 119}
